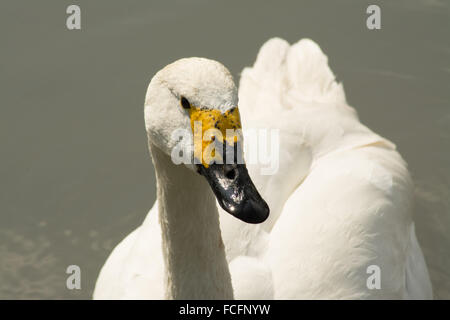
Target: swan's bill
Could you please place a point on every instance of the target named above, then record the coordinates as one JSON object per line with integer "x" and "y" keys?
{"x": 225, "y": 171}
{"x": 235, "y": 191}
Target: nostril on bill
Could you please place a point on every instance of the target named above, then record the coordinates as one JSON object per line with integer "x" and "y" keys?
{"x": 230, "y": 172}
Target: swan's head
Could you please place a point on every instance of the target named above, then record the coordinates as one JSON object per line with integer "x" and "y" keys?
{"x": 191, "y": 110}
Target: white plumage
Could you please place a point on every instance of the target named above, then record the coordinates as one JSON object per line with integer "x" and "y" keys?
{"x": 340, "y": 202}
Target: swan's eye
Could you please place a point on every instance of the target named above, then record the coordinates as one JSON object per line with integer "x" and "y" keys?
{"x": 185, "y": 103}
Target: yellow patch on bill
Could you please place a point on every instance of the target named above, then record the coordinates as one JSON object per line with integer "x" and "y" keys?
{"x": 212, "y": 125}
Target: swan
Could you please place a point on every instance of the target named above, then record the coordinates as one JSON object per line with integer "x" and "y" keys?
{"x": 340, "y": 202}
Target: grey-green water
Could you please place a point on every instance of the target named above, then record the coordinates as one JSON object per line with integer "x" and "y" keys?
{"x": 75, "y": 174}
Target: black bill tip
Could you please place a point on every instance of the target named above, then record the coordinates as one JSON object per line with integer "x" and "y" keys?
{"x": 254, "y": 211}
{"x": 236, "y": 192}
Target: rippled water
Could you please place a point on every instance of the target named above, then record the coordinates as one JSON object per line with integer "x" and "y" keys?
{"x": 75, "y": 172}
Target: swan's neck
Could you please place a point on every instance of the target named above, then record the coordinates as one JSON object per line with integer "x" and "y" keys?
{"x": 194, "y": 254}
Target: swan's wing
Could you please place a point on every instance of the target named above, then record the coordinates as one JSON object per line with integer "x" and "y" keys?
{"x": 135, "y": 269}
{"x": 283, "y": 76}
{"x": 330, "y": 227}
{"x": 351, "y": 214}
{"x": 291, "y": 90}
